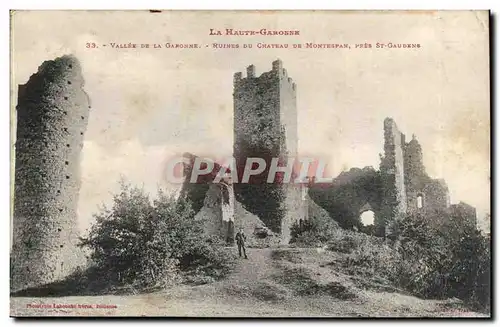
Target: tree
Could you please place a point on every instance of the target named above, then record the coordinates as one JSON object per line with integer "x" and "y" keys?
{"x": 444, "y": 259}
{"x": 148, "y": 243}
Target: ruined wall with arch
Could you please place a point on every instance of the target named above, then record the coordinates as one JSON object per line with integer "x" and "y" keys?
{"x": 349, "y": 194}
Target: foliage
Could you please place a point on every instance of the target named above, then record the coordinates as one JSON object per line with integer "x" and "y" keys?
{"x": 428, "y": 259}
{"x": 263, "y": 200}
{"x": 452, "y": 259}
{"x": 317, "y": 230}
{"x": 259, "y": 197}
{"x": 151, "y": 243}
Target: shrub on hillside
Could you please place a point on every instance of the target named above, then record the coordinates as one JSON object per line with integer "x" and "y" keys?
{"x": 366, "y": 255}
{"x": 315, "y": 231}
{"x": 451, "y": 260}
{"x": 151, "y": 243}
{"x": 432, "y": 261}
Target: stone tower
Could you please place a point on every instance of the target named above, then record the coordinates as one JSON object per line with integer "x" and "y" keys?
{"x": 52, "y": 116}
{"x": 265, "y": 111}
{"x": 265, "y": 126}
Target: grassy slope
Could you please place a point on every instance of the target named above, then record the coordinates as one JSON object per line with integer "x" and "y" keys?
{"x": 272, "y": 282}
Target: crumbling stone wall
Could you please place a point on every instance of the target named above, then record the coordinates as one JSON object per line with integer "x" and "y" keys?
{"x": 401, "y": 187}
{"x": 295, "y": 207}
{"x": 350, "y": 194}
{"x": 211, "y": 200}
{"x": 433, "y": 193}
{"x": 212, "y": 213}
{"x": 226, "y": 191}
{"x": 52, "y": 116}
{"x": 393, "y": 177}
{"x": 415, "y": 177}
{"x": 196, "y": 192}
{"x": 408, "y": 187}
{"x": 222, "y": 216}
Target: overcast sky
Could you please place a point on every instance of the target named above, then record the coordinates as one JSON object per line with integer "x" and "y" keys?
{"x": 149, "y": 104}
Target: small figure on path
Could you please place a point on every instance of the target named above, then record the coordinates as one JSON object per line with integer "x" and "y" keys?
{"x": 240, "y": 240}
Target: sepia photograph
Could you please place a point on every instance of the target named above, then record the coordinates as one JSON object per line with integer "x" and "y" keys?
{"x": 250, "y": 164}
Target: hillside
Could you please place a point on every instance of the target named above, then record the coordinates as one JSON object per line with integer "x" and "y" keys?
{"x": 273, "y": 282}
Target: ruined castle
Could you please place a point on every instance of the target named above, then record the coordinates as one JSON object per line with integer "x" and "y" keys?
{"x": 52, "y": 116}
{"x": 265, "y": 126}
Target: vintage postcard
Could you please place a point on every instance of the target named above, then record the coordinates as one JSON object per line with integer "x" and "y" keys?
{"x": 250, "y": 164}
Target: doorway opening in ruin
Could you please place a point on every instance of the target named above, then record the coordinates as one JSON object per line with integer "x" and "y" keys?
{"x": 367, "y": 217}
{"x": 420, "y": 201}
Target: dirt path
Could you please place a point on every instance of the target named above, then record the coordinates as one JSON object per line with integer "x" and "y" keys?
{"x": 258, "y": 265}
{"x": 271, "y": 283}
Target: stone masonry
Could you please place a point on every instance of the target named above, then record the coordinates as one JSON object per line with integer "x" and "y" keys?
{"x": 408, "y": 189}
{"x": 52, "y": 116}
{"x": 265, "y": 126}
{"x": 393, "y": 204}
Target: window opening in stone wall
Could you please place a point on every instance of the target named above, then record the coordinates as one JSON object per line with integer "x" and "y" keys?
{"x": 420, "y": 201}
{"x": 367, "y": 218}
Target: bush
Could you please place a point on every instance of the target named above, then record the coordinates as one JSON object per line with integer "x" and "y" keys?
{"x": 453, "y": 261}
{"x": 315, "y": 231}
{"x": 345, "y": 242}
{"x": 151, "y": 243}
{"x": 427, "y": 260}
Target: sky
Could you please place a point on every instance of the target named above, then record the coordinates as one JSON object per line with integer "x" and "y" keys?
{"x": 150, "y": 104}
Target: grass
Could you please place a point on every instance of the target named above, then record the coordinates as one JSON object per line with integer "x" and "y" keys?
{"x": 278, "y": 282}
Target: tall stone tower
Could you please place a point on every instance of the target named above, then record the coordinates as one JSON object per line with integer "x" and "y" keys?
{"x": 265, "y": 111}
{"x": 265, "y": 126}
{"x": 52, "y": 116}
